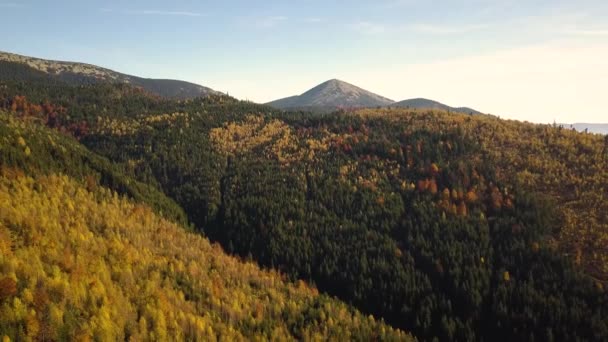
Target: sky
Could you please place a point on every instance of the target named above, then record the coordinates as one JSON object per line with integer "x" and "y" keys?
{"x": 533, "y": 60}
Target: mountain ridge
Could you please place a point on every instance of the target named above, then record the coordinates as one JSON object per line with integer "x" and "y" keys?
{"x": 78, "y": 73}
{"x": 420, "y": 103}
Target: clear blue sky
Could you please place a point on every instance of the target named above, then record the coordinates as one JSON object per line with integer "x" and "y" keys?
{"x": 535, "y": 60}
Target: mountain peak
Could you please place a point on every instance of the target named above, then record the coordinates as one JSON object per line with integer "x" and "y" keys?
{"x": 332, "y": 94}
{"x": 334, "y": 82}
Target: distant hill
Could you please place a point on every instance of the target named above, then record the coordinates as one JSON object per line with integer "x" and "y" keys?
{"x": 23, "y": 68}
{"x": 331, "y": 95}
{"x": 421, "y": 103}
{"x": 591, "y": 128}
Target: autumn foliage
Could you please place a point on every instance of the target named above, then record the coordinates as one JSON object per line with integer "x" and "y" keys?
{"x": 453, "y": 227}
{"x": 96, "y": 265}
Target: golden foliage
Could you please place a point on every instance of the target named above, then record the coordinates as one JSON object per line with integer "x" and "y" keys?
{"x": 117, "y": 127}
{"x": 127, "y": 126}
{"x": 354, "y": 174}
{"x": 92, "y": 265}
{"x": 275, "y": 138}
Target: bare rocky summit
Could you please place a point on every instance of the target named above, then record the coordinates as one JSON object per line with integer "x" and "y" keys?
{"x": 333, "y": 94}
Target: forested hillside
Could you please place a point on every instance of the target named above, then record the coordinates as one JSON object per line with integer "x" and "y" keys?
{"x": 34, "y": 149}
{"x": 427, "y": 104}
{"x": 80, "y": 261}
{"x": 451, "y": 226}
{"x": 22, "y": 68}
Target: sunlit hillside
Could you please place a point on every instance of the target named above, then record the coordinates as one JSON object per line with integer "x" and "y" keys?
{"x": 76, "y": 264}
{"x": 79, "y": 261}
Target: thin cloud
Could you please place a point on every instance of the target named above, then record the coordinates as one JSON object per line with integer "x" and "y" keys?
{"x": 372, "y": 28}
{"x": 447, "y": 30}
{"x": 367, "y": 27}
{"x": 11, "y": 5}
{"x": 154, "y": 12}
{"x": 271, "y": 21}
{"x": 170, "y": 13}
{"x": 312, "y": 20}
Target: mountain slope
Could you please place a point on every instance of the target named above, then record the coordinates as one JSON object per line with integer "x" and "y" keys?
{"x": 80, "y": 74}
{"x": 332, "y": 94}
{"x": 39, "y": 150}
{"x": 78, "y": 261}
{"x": 420, "y": 103}
{"x": 91, "y": 265}
{"x": 409, "y": 215}
{"x": 402, "y": 213}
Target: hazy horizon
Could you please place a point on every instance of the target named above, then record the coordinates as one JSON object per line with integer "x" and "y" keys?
{"x": 539, "y": 62}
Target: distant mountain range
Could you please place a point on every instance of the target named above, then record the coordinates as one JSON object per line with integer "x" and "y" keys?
{"x": 334, "y": 94}
{"x": 22, "y": 68}
{"x": 327, "y": 96}
{"x": 591, "y": 128}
